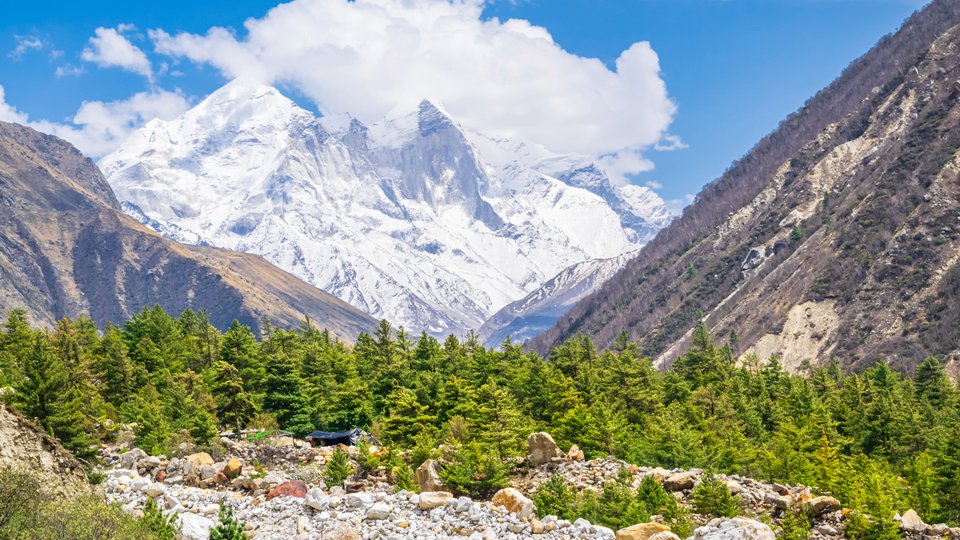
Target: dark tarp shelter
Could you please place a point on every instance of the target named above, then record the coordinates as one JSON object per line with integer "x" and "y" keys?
{"x": 349, "y": 437}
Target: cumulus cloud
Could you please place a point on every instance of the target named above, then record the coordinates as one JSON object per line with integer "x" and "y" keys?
{"x": 99, "y": 127}
{"x": 373, "y": 58}
{"x": 25, "y": 45}
{"x": 109, "y": 47}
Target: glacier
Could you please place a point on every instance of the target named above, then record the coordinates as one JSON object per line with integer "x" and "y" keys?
{"x": 415, "y": 218}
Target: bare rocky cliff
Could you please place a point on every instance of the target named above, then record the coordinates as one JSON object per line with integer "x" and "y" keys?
{"x": 67, "y": 249}
{"x": 837, "y": 235}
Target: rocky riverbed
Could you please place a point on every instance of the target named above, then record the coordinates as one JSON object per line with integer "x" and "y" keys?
{"x": 277, "y": 490}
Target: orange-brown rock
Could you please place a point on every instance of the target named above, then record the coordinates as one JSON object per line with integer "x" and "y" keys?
{"x": 292, "y": 488}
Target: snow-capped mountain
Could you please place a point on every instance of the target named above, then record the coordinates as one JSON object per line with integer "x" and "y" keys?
{"x": 539, "y": 310}
{"x": 412, "y": 219}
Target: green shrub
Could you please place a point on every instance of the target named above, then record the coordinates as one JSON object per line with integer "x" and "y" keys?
{"x": 476, "y": 471}
{"x": 163, "y": 527}
{"x": 229, "y": 528}
{"x": 795, "y": 525}
{"x": 338, "y": 469}
{"x": 713, "y": 498}
{"x": 556, "y": 498}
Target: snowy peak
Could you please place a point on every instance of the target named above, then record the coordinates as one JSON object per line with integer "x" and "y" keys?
{"x": 403, "y": 218}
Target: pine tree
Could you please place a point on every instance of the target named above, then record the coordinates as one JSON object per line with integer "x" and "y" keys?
{"x": 234, "y": 404}
{"x": 712, "y": 497}
{"x": 338, "y": 469}
{"x": 229, "y": 528}
{"x": 285, "y": 397}
{"x": 43, "y": 379}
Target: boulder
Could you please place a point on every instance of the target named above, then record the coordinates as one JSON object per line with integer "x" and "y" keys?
{"x": 233, "y": 468}
{"x": 910, "y": 521}
{"x": 194, "y": 527}
{"x": 129, "y": 460}
{"x": 642, "y": 531}
{"x": 200, "y": 459}
{"x": 433, "y": 499}
{"x": 428, "y": 476}
{"x": 379, "y": 511}
{"x": 778, "y": 501}
{"x": 575, "y": 454}
{"x": 514, "y": 501}
{"x": 818, "y": 506}
{"x": 664, "y": 535}
{"x": 541, "y": 449}
{"x": 317, "y": 499}
{"x": 339, "y": 531}
{"x": 680, "y": 481}
{"x": 154, "y": 490}
{"x": 292, "y": 488}
{"x": 738, "y": 528}
{"x": 358, "y": 500}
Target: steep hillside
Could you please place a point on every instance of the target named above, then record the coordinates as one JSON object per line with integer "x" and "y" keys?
{"x": 539, "y": 310}
{"x": 838, "y": 234}
{"x": 66, "y": 248}
{"x": 26, "y": 447}
{"x": 412, "y": 219}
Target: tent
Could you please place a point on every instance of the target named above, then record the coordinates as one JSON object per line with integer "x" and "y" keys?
{"x": 349, "y": 437}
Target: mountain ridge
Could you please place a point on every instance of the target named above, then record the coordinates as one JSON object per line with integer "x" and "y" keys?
{"x": 404, "y": 218}
{"x": 813, "y": 156}
{"x": 68, "y": 249}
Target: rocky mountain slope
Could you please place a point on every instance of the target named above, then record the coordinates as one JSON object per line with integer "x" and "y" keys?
{"x": 837, "y": 235}
{"x": 414, "y": 218}
{"x": 539, "y": 310}
{"x": 26, "y": 447}
{"x": 66, "y": 249}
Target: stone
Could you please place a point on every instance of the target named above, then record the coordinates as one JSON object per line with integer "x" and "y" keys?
{"x": 736, "y": 529}
{"x": 428, "y": 476}
{"x": 778, "y": 501}
{"x": 129, "y": 460}
{"x": 379, "y": 511}
{"x": 194, "y": 527}
{"x": 233, "y": 468}
{"x": 641, "y": 531}
{"x": 292, "y": 488}
{"x": 680, "y": 481}
{"x": 575, "y": 454}
{"x": 664, "y": 535}
{"x": 514, "y": 501}
{"x": 208, "y": 471}
{"x": 358, "y": 500}
{"x": 339, "y": 531}
{"x": 429, "y": 500}
{"x": 317, "y": 499}
{"x": 818, "y": 506}
{"x": 541, "y": 449}
{"x": 536, "y": 526}
{"x": 200, "y": 459}
{"x": 154, "y": 490}
{"x": 910, "y": 521}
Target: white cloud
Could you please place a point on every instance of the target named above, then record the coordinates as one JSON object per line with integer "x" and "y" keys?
{"x": 99, "y": 127}
{"x": 68, "y": 70}
{"x": 374, "y": 57}
{"x": 669, "y": 143}
{"x": 24, "y": 45}
{"x": 110, "y": 48}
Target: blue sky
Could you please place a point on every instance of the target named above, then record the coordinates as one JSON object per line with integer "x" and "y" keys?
{"x": 734, "y": 68}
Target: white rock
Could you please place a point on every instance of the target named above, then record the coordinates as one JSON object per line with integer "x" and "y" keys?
{"x": 317, "y": 499}
{"x": 194, "y": 527}
{"x": 154, "y": 490}
{"x": 358, "y": 500}
{"x": 379, "y": 511}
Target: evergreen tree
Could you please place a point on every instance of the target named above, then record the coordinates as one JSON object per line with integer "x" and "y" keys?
{"x": 234, "y": 404}
{"x": 229, "y": 527}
